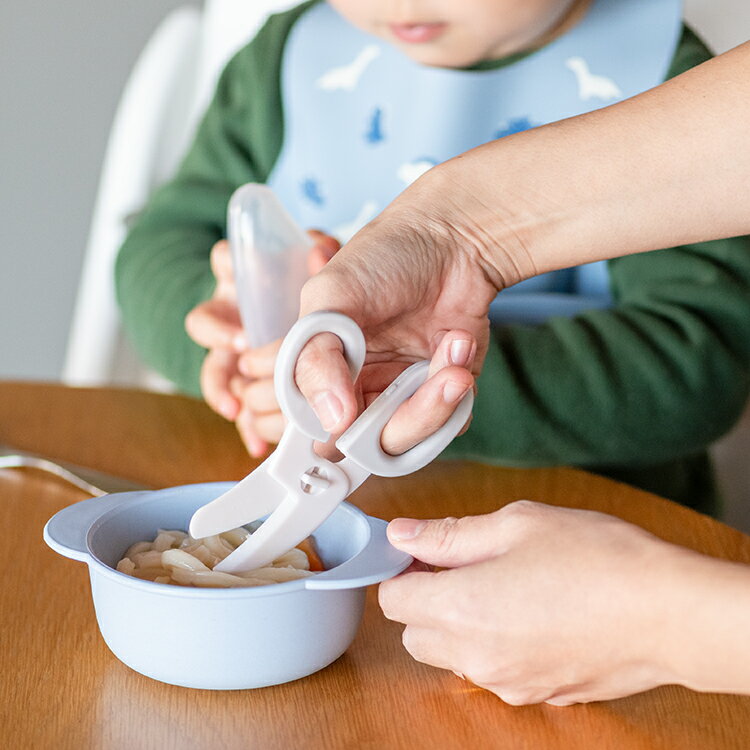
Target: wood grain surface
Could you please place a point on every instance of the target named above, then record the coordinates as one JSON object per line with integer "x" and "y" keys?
{"x": 60, "y": 687}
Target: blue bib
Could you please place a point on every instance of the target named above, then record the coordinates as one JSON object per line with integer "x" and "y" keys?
{"x": 362, "y": 120}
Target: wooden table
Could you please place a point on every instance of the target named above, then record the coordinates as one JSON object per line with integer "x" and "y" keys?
{"x": 60, "y": 687}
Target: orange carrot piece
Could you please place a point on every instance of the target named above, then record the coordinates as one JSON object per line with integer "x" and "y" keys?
{"x": 308, "y": 547}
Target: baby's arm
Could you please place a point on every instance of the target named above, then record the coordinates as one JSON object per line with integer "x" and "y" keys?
{"x": 657, "y": 377}
{"x": 163, "y": 267}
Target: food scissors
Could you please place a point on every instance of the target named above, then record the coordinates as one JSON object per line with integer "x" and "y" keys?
{"x": 295, "y": 487}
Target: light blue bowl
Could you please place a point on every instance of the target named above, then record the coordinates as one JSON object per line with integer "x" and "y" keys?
{"x": 221, "y": 639}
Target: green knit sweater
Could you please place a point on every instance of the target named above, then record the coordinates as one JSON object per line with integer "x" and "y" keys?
{"x": 635, "y": 392}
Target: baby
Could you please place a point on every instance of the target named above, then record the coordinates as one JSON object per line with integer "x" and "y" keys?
{"x": 338, "y": 106}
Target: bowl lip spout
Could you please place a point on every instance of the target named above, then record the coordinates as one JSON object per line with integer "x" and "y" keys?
{"x": 375, "y": 561}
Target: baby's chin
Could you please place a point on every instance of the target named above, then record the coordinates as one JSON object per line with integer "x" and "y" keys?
{"x": 437, "y": 56}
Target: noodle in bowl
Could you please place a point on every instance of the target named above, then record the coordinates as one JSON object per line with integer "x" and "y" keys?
{"x": 221, "y": 638}
{"x": 177, "y": 558}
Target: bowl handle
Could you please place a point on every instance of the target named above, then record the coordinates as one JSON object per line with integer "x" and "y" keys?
{"x": 66, "y": 531}
{"x": 378, "y": 561}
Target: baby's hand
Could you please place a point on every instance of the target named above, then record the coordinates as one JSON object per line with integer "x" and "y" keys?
{"x": 323, "y": 249}
{"x": 216, "y": 325}
{"x": 243, "y": 394}
{"x": 260, "y": 421}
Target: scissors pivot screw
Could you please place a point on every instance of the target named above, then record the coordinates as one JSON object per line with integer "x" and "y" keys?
{"x": 313, "y": 479}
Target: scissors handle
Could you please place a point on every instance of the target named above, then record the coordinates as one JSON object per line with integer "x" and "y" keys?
{"x": 293, "y": 404}
{"x": 361, "y": 442}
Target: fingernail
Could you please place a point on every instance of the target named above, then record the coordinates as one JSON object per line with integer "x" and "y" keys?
{"x": 228, "y": 408}
{"x": 453, "y": 391}
{"x": 328, "y": 409}
{"x": 244, "y": 368}
{"x": 403, "y": 529}
{"x": 256, "y": 447}
{"x": 239, "y": 342}
{"x": 460, "y": 350}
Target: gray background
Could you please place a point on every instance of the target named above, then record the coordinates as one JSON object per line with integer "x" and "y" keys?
{"x": 62, "y": 68}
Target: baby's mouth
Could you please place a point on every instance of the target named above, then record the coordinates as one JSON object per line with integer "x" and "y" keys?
{"x": 417, "y": 33}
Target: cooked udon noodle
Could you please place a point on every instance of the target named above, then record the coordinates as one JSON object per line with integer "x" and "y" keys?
{"x": 176, "y": 558}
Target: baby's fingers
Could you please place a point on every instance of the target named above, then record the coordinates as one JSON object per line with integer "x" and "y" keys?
{"x": 259, "y": 396}
{"x": 261, "y": 361}
{"x": 323, "y": 249}
{"x": 221, "y": 262}
{"x": 216, "y": 324}
{"x": 260, "y": 431}
{"x": 256, "y": 445}
{"x": 218, "y": 369}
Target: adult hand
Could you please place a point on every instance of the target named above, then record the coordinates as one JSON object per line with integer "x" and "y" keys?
{"x": 419, "y": 288}
{"x": 541, "y": 603}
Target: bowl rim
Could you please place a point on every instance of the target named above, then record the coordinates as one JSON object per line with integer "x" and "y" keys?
{"x": 194, "y": 592}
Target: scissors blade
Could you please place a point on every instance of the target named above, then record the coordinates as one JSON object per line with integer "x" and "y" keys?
{"x": 256, "y": 495}
{"x": 292, "y": 522}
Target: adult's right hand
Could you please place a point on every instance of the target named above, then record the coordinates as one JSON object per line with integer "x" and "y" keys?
{"x": 419, "y": 289}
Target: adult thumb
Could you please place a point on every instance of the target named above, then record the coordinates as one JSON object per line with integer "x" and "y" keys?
{"x": 323, "y": 377}
{"x": 447, "y": 542}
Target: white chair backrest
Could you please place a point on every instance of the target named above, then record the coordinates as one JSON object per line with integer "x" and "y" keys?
{"x": 227, "y": 26}
{"x": 169, "y": 87}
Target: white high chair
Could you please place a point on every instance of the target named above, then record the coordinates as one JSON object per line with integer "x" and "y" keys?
{"x": 170, "y": 85}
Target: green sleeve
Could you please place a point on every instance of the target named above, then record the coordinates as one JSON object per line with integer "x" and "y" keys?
{"x": 162, "y": 269}
{"x": 656, "y": 377}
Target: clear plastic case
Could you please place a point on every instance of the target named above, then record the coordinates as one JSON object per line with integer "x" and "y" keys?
{"x": 269, "y": 257}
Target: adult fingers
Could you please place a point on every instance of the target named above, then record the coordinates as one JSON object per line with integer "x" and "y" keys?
{"x": 323, "y": 378}
{"x": 215, "y": 324}
{"x": 430, "y": 646}
{"x": 421, "y": 599}
{"x": 451, "y": 350}
{"x": 217, "y": 371}
{"x": 449, "y": 379}
{"x": 441, "y": 648}
{"x": 456, "y": 348}
{"x": 427, "y": 410}
{"x": 450, "y": 542}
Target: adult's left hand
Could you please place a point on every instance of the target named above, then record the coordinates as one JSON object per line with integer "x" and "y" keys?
{"x": 539, "y": 603}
